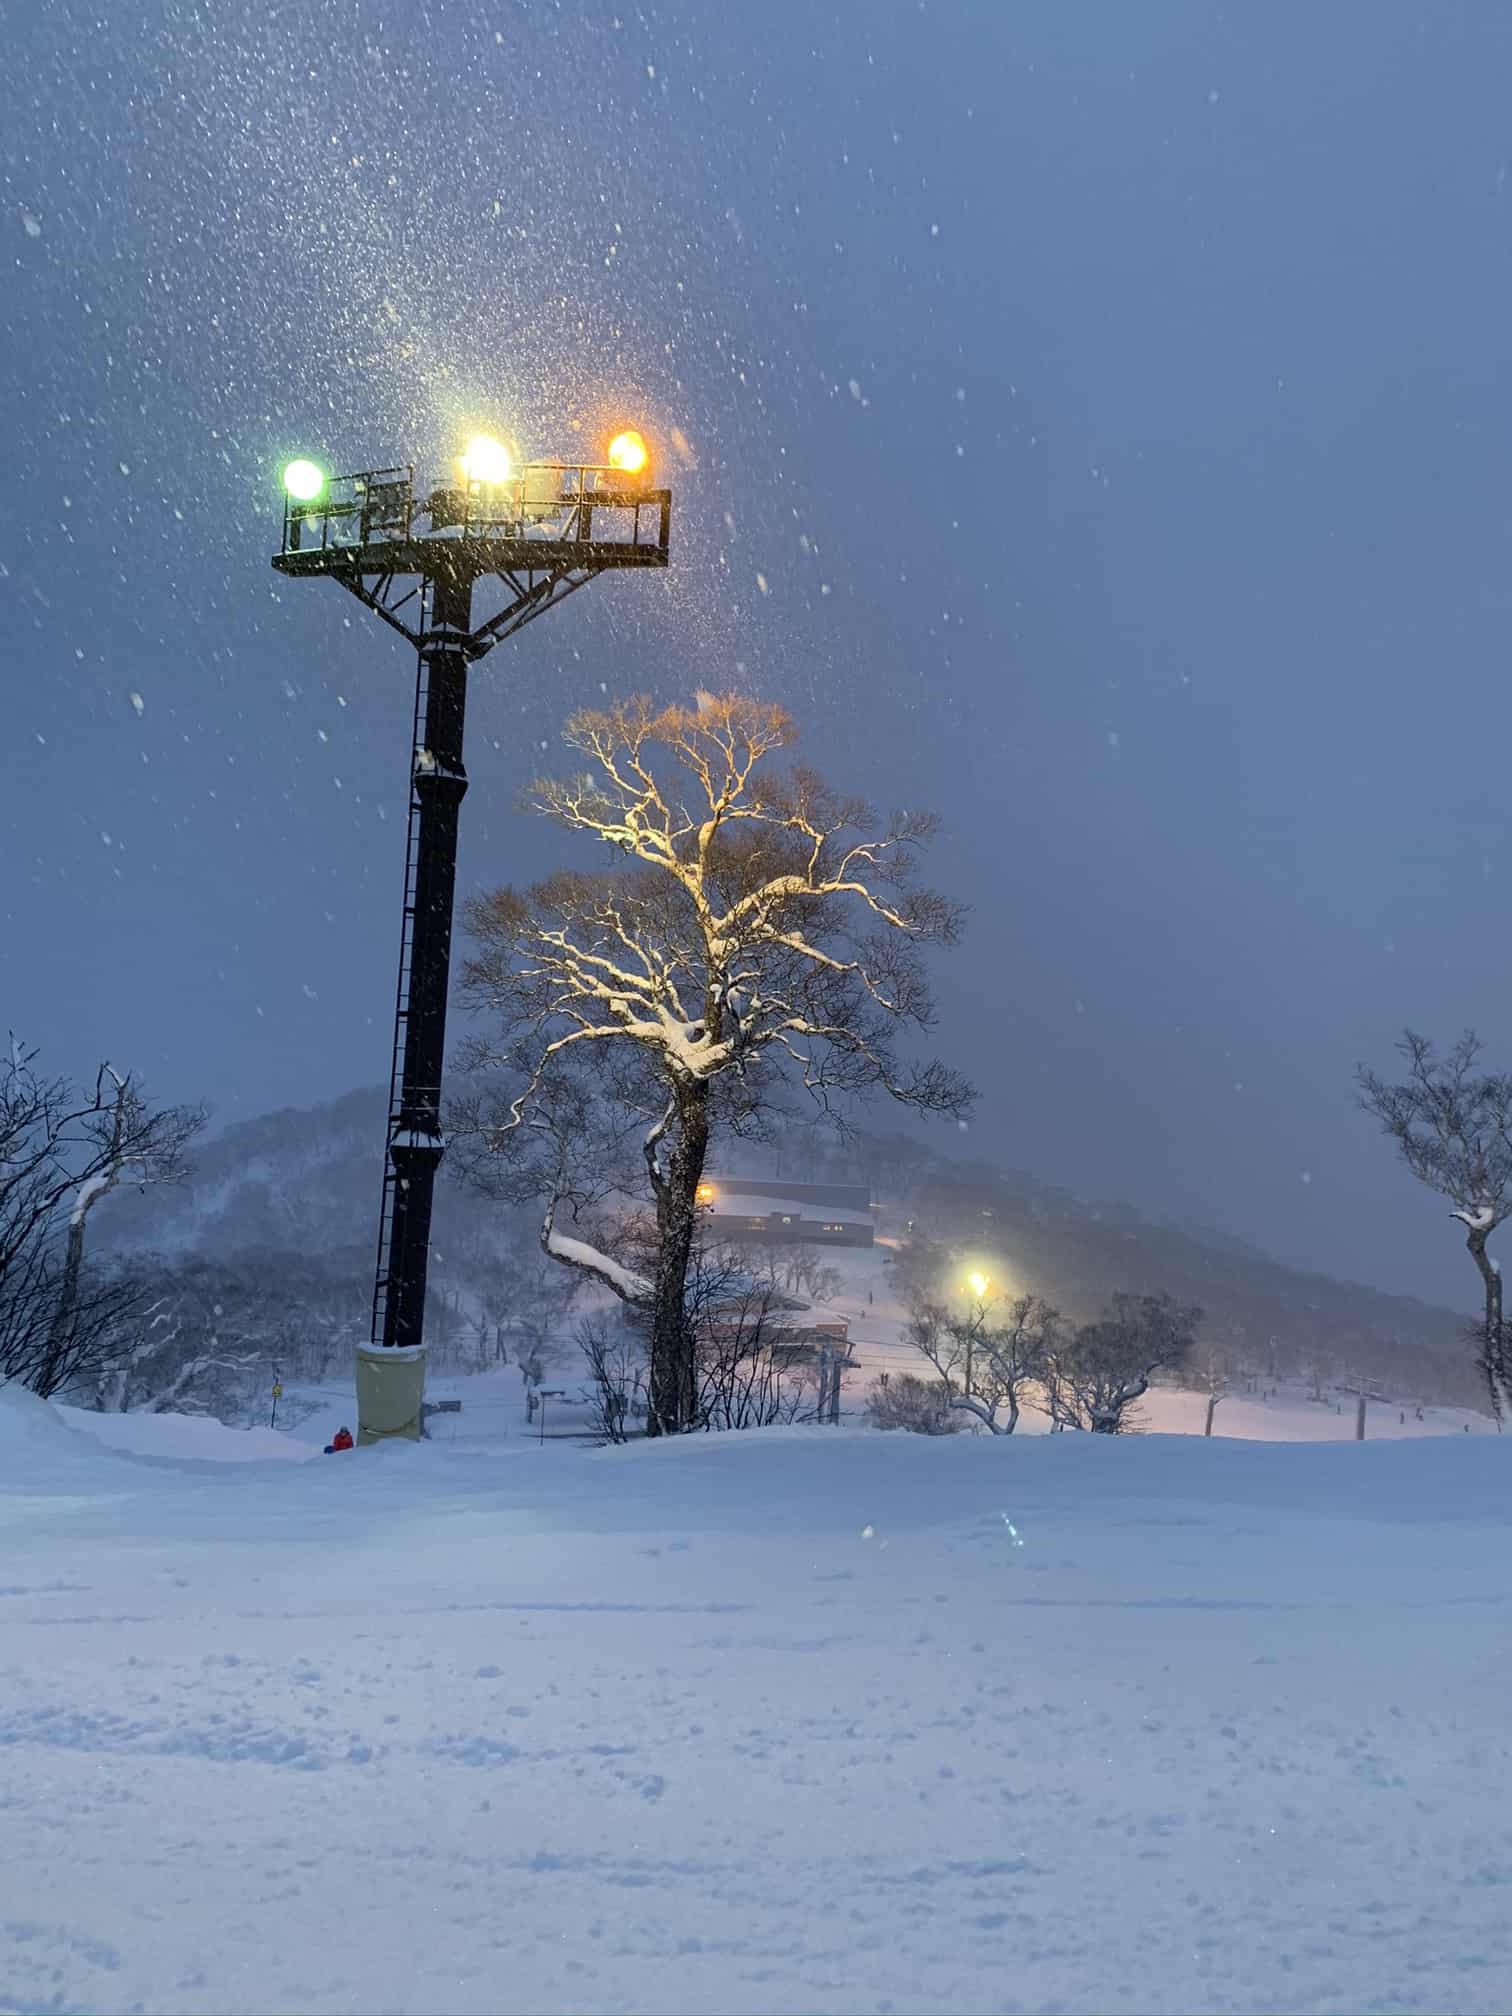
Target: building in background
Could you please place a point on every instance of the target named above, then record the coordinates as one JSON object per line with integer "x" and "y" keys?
{"x": 778, "y": 1212}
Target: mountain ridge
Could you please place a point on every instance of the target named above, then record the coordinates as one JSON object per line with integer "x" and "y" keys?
{"x": 306, "y": 1180}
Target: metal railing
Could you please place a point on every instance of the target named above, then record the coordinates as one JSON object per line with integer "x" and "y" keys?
{"x": 544, "y": 500}
{"x": 353, "y": 511}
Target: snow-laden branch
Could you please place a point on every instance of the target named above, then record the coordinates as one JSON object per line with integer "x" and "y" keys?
{"x": 623, "y": 1281}
{"x": 91, "y": 1190}
{"x": 1482, "y": 1218}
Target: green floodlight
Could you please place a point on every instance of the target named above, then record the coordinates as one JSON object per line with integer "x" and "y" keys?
{"x": 304, "y": 481}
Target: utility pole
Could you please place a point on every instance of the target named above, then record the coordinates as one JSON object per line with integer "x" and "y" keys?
{"x": 535, "y": 534}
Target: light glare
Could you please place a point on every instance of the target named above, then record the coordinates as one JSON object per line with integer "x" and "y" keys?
{"x": 304, "y": 481}
{"x": 487, "y": 460}
{"x": 979, "y": 1285}
{"x": 628, "y": 452}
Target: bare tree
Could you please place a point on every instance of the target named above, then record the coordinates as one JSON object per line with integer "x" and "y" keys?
{"x": 988, "y": 1365}
{"x": 749, "y": 1365}
{"x": 1094, "y": 1377}
{"x": 917, "y": 1266}
{"x": 894, "y": 1165}
{"x": 921, "y": 1406}
{"x": 616, "y": 1361}
{"x": 62, "y": 1152}
{"x": 203, "y": 1336}
{"x": 51, "y": 1357}
{"x": 762, "y": 926}
{"x": 168, "y": 1367}
{"x": 1214, "y": 1381}
{"x": 805, "y": 1271}
{"x": 1452, "y": 1124}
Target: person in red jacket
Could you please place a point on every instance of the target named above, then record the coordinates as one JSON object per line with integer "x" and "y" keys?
{"x": 342, "y": 1439}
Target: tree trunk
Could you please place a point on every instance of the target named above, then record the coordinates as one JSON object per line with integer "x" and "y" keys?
{"x": 1207, "y": 1426}
{"x": 64, "y": 1311}
{"x": 673, "y": 1382}
{"x": 1493, "y": 1336}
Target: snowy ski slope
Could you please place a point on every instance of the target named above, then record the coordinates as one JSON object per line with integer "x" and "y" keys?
{"x": 803, "y": 1720}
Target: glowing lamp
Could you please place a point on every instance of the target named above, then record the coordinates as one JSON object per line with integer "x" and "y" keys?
{"x": 304, "y": 481}
{"x": 978, "y": 1285}
{"x": 487, "y": 460}
{"x": 629, "y": 454}
{"x": 705, "y": 1193}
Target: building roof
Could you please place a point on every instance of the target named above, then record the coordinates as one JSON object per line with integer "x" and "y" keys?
{"x": 786, "y": 1194}
{"x": 728, "y": 1202}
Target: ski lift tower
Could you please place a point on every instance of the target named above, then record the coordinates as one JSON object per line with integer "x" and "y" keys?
{"x": 528, "y": 536}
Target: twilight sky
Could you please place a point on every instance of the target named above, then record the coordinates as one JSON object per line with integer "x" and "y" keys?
{"x": 1099, "y": 426}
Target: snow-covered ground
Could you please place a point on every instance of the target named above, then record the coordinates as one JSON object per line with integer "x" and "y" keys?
{"x": 800, "y": 1720}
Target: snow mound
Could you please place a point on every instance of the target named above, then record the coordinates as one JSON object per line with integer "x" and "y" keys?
{"x": 55, "y": 1450}
{"x": 25, "y": 1419}
{"x": 40, "y": 1454}
{"x": 186, "y": 1437}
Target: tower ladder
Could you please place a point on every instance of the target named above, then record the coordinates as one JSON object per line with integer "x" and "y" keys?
{"x": 396, "y": 1118}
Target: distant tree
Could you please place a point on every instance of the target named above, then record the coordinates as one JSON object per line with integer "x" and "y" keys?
{"x": 921, "y": 1406}
{"x": 805, "y": 1271}
{"x": 1452, "y": 1124}
{"x": 917, "y": 1266}
{"x": 1095, "y": 1376}
{"x": 567, "y": 1150}
{"x": 62, "y": 1152}
{"x": 750, "y": 1369}
{"x": 1213, "y": 1380}
{"x": 761, "y": 927}
{"x": 170, "y": 1362}
{"x": 894, "y": 1165}
{"x": 529, "y": 1301}
{"x": 989, "y": 1358}
{"x": 204, "y": 1334}
{"x": 616, "y": 1362}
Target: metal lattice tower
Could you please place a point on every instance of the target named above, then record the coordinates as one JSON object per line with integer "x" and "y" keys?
{"x": 535, "y": 536}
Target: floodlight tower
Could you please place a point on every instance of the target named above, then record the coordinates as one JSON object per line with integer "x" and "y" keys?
{"x": 538, "y": 531}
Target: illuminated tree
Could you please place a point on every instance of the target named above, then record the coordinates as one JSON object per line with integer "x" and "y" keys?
{"x": 761, "y": 930}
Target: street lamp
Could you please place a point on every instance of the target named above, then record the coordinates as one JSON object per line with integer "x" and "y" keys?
{"x": 535, "y": 533}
